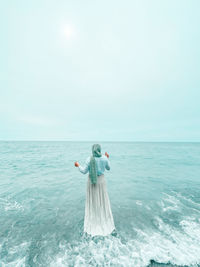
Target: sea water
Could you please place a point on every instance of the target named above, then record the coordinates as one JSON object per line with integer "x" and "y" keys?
{"x": 154, "y": 191}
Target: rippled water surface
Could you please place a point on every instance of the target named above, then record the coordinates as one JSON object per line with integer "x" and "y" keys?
{"x": 154, "y": 190}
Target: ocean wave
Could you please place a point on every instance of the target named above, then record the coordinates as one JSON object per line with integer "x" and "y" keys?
{"x": 167, "y": 246}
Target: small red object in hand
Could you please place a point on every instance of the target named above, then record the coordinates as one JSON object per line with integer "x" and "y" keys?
{"x": 76, "y": 164}
{"x": 106, "y": 154}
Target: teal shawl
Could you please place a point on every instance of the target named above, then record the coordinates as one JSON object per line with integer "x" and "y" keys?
{"x": 96, "y": 152}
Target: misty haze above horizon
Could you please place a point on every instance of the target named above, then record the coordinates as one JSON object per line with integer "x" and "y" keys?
{"x": 90, "y": 70}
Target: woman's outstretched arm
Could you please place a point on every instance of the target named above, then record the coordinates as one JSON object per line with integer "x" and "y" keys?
{"x": 83, "y": 169}
{"x": 107, "y": 162}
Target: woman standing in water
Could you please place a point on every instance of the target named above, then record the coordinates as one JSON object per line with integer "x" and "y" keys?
{"x": 98, "y": 215}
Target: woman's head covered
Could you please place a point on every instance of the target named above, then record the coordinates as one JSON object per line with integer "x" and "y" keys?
{"x": 96, "y": 150}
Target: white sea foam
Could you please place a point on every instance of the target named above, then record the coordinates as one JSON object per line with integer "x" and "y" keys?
{"x": 187, "y": 199}
{"x": 20, "y": 262}
{"x": 178, "y": 201}
{"x": 10, "y": 205}
{"x": 17, "y": 256}
{"x": 180, "y": 247}
{"x": 13, "y": 206}
{"x": 169, "y": 202}
{"x": 138, "y": 202}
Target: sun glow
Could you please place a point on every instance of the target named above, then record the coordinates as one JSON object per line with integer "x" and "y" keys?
{"x": 68, "y": 31}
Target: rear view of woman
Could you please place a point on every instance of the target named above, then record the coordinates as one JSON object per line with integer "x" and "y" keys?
{"x": 98, "y": 218}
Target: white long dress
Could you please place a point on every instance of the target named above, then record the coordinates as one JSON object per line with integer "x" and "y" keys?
{"x": 98, "y": 218}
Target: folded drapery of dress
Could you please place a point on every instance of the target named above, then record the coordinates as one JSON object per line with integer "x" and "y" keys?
{"x": 98, "y": 218}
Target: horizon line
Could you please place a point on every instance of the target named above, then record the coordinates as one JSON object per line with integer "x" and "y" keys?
{"x": 106, "y": 141}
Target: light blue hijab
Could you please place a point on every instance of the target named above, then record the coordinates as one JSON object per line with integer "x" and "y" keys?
{"x": 96, "y": 152}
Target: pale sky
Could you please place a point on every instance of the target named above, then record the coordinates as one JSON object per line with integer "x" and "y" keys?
{"x": 100, "y": 70}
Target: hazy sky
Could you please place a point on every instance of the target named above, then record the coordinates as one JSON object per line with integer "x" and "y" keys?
{"x": 100, "y": 70}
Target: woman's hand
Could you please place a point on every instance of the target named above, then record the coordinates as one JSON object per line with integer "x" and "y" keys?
{"x": 106, "y": 154}
{"x": 76, "y": 164}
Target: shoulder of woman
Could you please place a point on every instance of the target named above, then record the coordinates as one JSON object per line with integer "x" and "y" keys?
{"x": 88, "y": 159}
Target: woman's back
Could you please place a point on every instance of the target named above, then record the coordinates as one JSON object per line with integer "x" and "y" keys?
{"x": 102, "y": 163}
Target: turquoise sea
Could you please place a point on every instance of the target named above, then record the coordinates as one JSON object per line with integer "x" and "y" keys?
{"x": 154, "y": 190}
